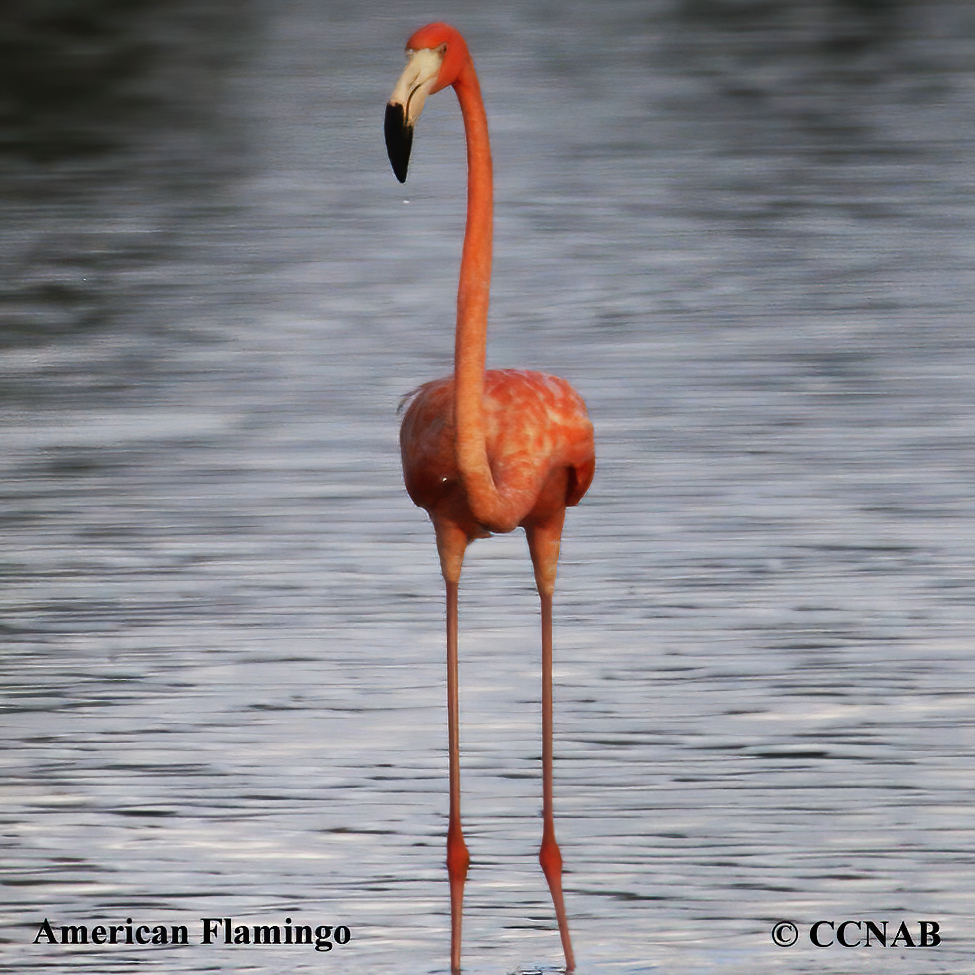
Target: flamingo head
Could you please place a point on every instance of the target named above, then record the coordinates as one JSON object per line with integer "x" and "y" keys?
{"x": 435, "y": 56}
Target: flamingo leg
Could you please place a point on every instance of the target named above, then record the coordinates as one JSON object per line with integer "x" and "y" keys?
{"x": 452, "y": 543}
{"x": 543, "y": 543}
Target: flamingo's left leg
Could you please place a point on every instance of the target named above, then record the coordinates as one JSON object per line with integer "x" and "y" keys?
{"x": 544, "y": 539}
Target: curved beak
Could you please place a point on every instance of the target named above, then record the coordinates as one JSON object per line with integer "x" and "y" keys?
{"x": 406, "y": 103}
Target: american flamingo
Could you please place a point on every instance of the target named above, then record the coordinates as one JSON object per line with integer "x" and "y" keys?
{"x": 485, "y": 451}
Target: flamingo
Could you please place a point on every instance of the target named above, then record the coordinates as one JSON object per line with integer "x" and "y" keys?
{"x": 485, "y": 451}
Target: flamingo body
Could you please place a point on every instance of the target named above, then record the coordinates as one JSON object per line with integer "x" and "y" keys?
{"x": 539, "y": 443}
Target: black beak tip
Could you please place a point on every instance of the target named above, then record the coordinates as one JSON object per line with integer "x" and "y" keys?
{"x": 399, "y": 139}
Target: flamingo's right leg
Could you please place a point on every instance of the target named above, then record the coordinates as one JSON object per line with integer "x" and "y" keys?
{"x": 451, "y": 544}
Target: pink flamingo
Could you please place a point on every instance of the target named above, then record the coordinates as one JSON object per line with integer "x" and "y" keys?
{"x": 486, "y": 451}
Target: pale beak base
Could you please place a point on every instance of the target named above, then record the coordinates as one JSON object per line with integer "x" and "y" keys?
{"x": 406, "y": 103}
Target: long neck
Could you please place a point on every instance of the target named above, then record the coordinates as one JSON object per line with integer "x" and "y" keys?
{"x": 473, "y": 295}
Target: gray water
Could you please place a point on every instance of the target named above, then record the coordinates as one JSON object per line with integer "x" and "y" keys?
{"x": 742, "y": 230}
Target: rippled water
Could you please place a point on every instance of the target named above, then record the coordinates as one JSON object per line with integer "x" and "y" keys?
{"x": 743, "y": 231}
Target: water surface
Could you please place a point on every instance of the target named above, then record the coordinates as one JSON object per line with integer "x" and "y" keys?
{"x": 743, "y": 231}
